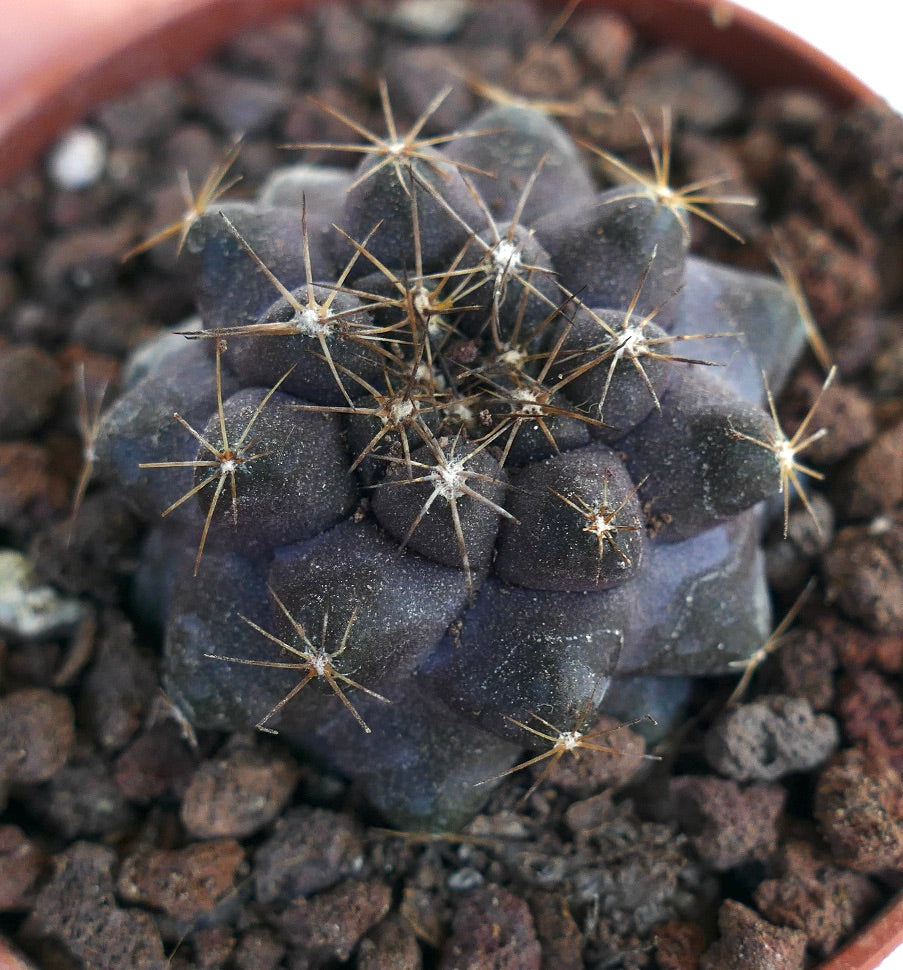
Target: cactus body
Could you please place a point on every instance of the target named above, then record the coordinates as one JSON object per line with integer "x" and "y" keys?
{"x": 486, "y": 488}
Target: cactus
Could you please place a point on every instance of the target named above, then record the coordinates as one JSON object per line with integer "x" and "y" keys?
{"x": 438, "y": 461}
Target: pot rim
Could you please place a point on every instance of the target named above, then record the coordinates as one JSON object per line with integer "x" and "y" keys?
{"x": 65, "y": 59}
{"x": 67, "y": 56}
{"x": 877, "y": 940}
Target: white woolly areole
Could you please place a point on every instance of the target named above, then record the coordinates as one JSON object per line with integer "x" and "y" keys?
{"x": 449, "y": 479}
{"x": 309, "y": 322}
{"x": 600, "y": 526}
{"x": 527, "y": 401}
{"x": 568, "y": 740}
{"x": 506, "y": 257}
{"x": 786, "y": 454}
{"x": 401, "y": 411}
{"x": 632, "y": 343}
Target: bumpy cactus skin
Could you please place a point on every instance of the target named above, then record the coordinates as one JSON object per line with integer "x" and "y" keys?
{"x": 488, "y": 483}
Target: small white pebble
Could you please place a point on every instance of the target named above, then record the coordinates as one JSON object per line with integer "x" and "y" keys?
{"x": 78, "y": 159}
{"x": 430, "y": 19}
{"x": 29, "y": 610}
{"x": 880, "y": 526}
{"x": 463, "y": 880}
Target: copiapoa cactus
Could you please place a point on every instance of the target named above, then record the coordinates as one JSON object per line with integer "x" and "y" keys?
{"x": 460, "y": 446}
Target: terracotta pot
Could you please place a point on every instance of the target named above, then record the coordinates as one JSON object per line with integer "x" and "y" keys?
{"x": 62, "y": 56}
{"x": 59, "y": 57}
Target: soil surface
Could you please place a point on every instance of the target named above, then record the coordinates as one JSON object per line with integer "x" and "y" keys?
{"x": 771, "y": 829}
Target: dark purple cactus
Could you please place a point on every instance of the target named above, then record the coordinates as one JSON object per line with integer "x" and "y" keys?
{"x": 453, "y": 464}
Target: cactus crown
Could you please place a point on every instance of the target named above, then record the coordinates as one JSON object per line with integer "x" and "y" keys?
{"x": 442, "y": 451}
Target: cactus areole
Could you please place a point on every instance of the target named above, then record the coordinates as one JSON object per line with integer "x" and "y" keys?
{"x": 460, "y": 440}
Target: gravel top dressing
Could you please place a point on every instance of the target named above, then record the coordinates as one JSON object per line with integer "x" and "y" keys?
{"x": 582, "y": 688}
